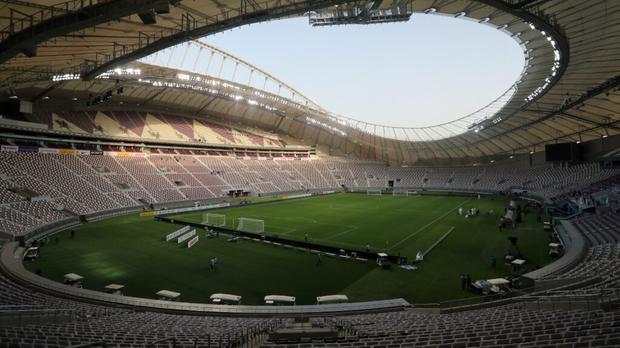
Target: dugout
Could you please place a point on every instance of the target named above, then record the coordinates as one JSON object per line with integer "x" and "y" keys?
{"x": 227, "y": 299}
{"x": 330, "y": 299}
{"x": 279, "y": 300}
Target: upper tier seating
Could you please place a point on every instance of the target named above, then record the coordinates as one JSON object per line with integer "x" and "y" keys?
{"x": 133, "y": 124}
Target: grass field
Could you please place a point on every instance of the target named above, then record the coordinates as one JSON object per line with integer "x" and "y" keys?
{"x": 129, "y": 250}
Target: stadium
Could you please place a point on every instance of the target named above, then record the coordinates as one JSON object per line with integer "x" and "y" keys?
{"x": 157, "y": 190}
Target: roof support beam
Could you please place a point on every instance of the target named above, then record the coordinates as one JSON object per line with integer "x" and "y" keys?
{"x": 184, "y": 34}
{"x": 35, "y": 29}
{"x": 602, "y": 88}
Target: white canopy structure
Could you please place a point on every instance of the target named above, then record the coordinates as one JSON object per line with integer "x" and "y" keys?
{"x": 279, "y": 299}
{"x": 331, "y": 299}
{"x": 225, "y": 298}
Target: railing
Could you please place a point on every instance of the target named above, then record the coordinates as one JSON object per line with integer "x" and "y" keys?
{"x": 19, "y": 21}
{"x": 23, "y": 316}
{"x": 91, "y": 344}
{"x": 172, "y": 340}
{"x": 589, "y": 302}
{"x": 345, "y": 327}
{"x": 250, "y": 337}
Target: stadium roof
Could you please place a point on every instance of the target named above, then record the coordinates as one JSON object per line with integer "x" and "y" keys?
{"x": 567, "y": 92}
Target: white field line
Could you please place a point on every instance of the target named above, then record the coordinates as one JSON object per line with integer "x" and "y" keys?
{"x": 287, "y": 232}
{"x": 351, "y": 229}
{"x": 428, "y": 225}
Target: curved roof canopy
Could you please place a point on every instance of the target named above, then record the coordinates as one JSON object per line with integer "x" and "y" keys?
{"x": 567, "y": 92}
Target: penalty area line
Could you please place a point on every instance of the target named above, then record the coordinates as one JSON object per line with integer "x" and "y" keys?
{"x": 351, "y": 229}
{"x": 428, "y": 225}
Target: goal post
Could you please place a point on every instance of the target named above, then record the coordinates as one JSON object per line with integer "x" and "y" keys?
{"x": 214, "y": 219}
{"x": 405, "y": 192}
{"x": 373, "y": 192}
{"x": 250, "y": 225}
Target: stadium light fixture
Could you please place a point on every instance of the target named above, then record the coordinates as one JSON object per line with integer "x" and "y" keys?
{"x": 460, "y": 14}
{"x": 65, "y": 77}
{"x": 430, "y": 10}
{"x": 14, "y": 96}
{"x": 606, "y": 134}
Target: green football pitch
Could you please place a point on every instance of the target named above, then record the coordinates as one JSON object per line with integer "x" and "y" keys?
{"x": 129, "y": 250}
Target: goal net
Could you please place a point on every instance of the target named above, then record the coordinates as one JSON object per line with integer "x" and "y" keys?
{"x": 251, "y": 225}
{"x": 405, "y": 192}
{"x": 375, "y": 192}
{"x": 214, "y": 219}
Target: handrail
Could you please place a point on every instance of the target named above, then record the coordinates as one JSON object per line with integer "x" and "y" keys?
{"x": 15, "y": 270}
{"x": 167, "y": 339}
{"x": 91, "y": 344}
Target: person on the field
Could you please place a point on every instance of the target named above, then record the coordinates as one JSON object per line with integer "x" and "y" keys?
{"x": 319, "y": 262}
{"x": 72, "y": 234}
{"x": 463, "y": 281}
{"x": 493, "y": 261}
{"x": 306, "y": 237}
{"x": 213, "y": 264}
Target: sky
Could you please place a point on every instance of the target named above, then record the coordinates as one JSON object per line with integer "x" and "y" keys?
{"x": 429, "y": 70}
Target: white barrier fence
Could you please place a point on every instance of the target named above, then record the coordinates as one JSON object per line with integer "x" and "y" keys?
{"x": 177, "y": 233}
{"x": 302, "y": 195}
{"x": 192, "y": 242}
{"x": 189, "y": 209}
{"x": 186, "y": 236}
